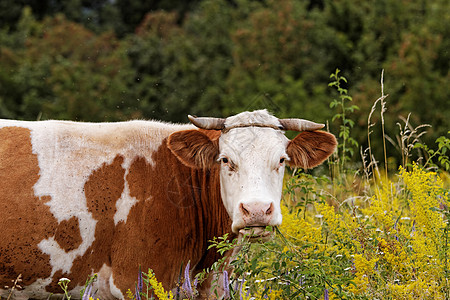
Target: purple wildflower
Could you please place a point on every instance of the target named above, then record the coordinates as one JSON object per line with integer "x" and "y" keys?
{"x": 240, "y": 289}
{"x": 442, "y": 206}
{"x": 325, "y": 295}
{"x": 137, "y": 295}
{"x": 177, "y": 292}
{"x": 140, "y": 284}
{"x": 395, "y": 227}
{"x": 413, "y": 229}
{"x": 226, "y": 285}
{"x": 87, "y": 292}
{"x": 187, "y": 287}
{"x": 265, "y": 295}
{"x": 195, "y": 282}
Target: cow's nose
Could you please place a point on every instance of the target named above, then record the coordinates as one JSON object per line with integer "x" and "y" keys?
{"x": 256, "y": 213}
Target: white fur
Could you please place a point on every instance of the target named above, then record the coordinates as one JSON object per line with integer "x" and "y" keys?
{"x": 257, "y": 176}
{"x": 115, "y": 291}
{"x": 124, "y": 204}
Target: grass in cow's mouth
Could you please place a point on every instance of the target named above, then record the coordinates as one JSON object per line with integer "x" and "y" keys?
{"x": 256, "y": 232}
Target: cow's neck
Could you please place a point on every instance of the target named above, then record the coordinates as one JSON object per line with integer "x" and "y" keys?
{"x": 217, "y": 223}
{"x": 216, "y": 219}
{"x": 206, "y": 184}
{"x": 178, "y": 211}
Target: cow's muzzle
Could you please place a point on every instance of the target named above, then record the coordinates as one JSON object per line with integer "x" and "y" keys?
{"x": 255, "y": 214}
{"x": 255, "y": 217}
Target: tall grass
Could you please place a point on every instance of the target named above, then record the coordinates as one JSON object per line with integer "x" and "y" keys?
{"x": 356, "y": 234}
{"x": 368, "y": 237}
{"x": 353, "y": 234}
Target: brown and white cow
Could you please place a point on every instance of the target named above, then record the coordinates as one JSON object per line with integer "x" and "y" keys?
{"x": 106, "y": 198}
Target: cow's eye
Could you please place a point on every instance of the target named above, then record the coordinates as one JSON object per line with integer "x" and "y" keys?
{"x": 228, "y": 163}
{"x": 282, "y": 160}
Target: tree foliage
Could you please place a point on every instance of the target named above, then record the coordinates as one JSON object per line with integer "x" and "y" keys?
{"x": 115, "y": 60}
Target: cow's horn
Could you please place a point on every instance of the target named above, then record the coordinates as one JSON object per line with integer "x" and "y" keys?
{"x": 208, "y": 123}
{"x": 299, "y": 125}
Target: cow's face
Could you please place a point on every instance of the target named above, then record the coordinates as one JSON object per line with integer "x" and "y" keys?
{"x": 252, "y": 162}
{"x": 252, "y": 152}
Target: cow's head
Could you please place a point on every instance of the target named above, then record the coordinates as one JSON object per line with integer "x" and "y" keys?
{"x": 252, "y": 152}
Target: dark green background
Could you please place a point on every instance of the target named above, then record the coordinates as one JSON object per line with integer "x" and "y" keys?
{"x": 116, "y": 60}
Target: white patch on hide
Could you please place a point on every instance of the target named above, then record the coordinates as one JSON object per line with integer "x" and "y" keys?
{"x": 115, "y": 291}
{"x": 124, "y": 204}
{"x": 68, "y": 153}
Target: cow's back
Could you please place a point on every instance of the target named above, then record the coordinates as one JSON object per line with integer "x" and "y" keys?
{"x": 64, "y": 190}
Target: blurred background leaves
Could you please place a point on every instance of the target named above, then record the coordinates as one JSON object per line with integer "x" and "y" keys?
{"x": 116, "y": 60}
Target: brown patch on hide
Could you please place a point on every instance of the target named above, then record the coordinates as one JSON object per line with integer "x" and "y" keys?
{"x": 102, "y": 190}
{"x": 54, "y": 287}
{"x": 25, "y": 220}
{"x": 178, "y": 210}
{"x": 68, "y": 234}
{"x": 310, "y": 148}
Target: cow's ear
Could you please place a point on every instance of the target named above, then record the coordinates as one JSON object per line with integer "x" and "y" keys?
{"x": 194, "y": 148}
{"x": 310, "y": 148}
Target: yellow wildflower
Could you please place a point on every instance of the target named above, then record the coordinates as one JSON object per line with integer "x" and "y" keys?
{"x": 157, "y": 287}
{"x": 425, "y": 188}
{"x": 364, "y": 268}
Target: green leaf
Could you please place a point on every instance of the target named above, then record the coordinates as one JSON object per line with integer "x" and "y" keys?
{"x": 336, "y": 116}
{"x": 334, "y": 103}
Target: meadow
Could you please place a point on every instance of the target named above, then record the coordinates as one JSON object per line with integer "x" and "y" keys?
{"x": 371, "y": 223}
{"x": 352, "y": 229}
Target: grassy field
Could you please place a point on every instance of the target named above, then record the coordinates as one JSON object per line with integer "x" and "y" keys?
{"x": 348, "y": 237}
{"x": 353, "y": 230}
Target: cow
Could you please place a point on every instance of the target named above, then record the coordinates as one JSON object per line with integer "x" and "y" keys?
{"x": 78, "y": 199}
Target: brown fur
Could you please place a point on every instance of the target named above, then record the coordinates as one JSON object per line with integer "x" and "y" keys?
{"x": 54, "y": 287}
{"x": 310, "y": 148}
{"x": 194, "y": 148}
{"x": 179, "y": 211}
{"x": 68, "y": 235}
{"x": 25, "y": 220}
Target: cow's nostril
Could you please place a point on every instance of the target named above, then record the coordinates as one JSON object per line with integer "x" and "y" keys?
{"x": 269, "y": 211}
{"x": 244, "y": 210}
